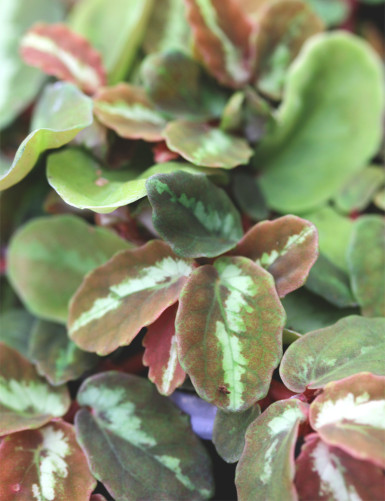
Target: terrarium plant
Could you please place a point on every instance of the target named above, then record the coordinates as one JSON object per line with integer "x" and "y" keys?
{"x": 192, "y": 247}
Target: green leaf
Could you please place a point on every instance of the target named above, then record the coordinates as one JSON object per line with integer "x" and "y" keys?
{"x": 26, "y": 399}
{"x": 138, "y": 443}
{"x": 379, "y": 199}
{"x": 249, "y": 197}
{"x": 266, "y": 468}
{"x": 229, "y": 432}
{"x": 309, "y": 155}
{"x": 354, "y": 344}
{"x": 366, "y": 260}
{"x": 332, "y": 12}
{"x": 193, "y": 215}
{"x": 16, "y": 327}
{"x": 116, "y": 29}
{"x": 48, "y": 258}
{"x": 45, "y": 464}
{"x": 73, "y": 112}
{"x": 56, "y": 357}
{"x": 129, "y": 292}
{"x": 19, "y": 83}
{"x": 229, "y": 329}
{"x": 202, "y": 144}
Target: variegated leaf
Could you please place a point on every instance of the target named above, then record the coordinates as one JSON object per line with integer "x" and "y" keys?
{"x": 229, "y": 329}
{"x": 328, "y": 473}
{"x": 266, "y": 467}
{"x": 58, "y": 51}
{"x": 26, "y": 399}
{"x": 287, "y": 247}
{"x": 354, "y": 344}
{"x": 193, "y": 215}
{"x": 44, "y": 465}
{"x": 138, "y": 443}
{"x": 129, "y": 292}
{"x": 350, "y": 414}
{"x": 127, "y": 110}
{"x": 161, "y": 353}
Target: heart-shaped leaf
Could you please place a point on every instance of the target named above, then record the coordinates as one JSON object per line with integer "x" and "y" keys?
{"x": 366, "y": 260}
{"x": 202, "y": 144}
{"x": 328, "y": 473}
{"x": 350, "y": 414}
{"x": 354, "y": 344}
{"x": 266, "y": 467}
{"x": 138, "y": 443}
{"x": 161, "y": 353}
{"x": 58, "y": 51}
{"x": 26, "y": 399}
{"x": 73, "y": 112}
{"x": 48, "y": 258}
{"x": 16, "y": 326}
{"x": 309, "y": 155}
{"x": 229, "y": 329}
{"x": 44, "y": 464}
{"x": 194, "y": 216}
{"x": 129, "y": 292}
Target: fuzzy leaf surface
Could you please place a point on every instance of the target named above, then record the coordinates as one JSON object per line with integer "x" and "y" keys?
{"x": 229, "y": 329}
{"x": 129, "y": 292}
{"x": 138, "y": 442}
{"x": 354, "y": 344}
{"x": 193, "y": 215}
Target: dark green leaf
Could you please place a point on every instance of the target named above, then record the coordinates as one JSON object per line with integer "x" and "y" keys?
{"x": 249, "y": 197}
{"x": 15, "y": 330}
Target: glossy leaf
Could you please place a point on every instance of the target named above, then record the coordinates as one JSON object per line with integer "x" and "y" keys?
{"x": 266, "y": 467}
{"x": 193, "y": 215}
{"x": 204, "y": 145}
{"x": 48, "y": 258}
{"x": 354, "y": 344}
{"x": 128, "y": 111}
{"x": 161, "y": 353}
{"x": 44, "y": 464}
{"x": 366, "y": 260}
{"x": 129, "y": 292}
{"x": 229, "y": 328}
{"x": 26, "y": 399}
{"x": 229, "y": 432}
{"x": 16, "y": 326}
{"x": 287, "y": 247}
{"x": 350, "y": 414}
{"x": 309, "y": 155}
{"x": 249, "y": 197}
{"x": 56, "y": 357}
{"x": 60, "y": 52}
{"x": 73, "y": 112}
{"x": 137, "y": 442}
{"x": 328, "y": 473}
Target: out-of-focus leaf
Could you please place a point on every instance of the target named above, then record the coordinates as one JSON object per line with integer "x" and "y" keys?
{"x": 129, "y": 292}
{"x": 61, "y": 113}
{"x": 332, "y": 12}
{"x": 266, "y": 467}
{"x": 350, "y": 414}
{"x": 366, "y": 260}
{"x": 15, "y": 330}
{"x": 26, "y": 399}
{"x": 161, "y": 353}
{"x": 193, "y": 215}
{"x": 283, "y": 27}
{"x": 328, "y": 473}
{"x": 202, "y": 144}
{"x": 289, "y": 336}
{"x": 354, "y": 344}
{"x": 138, "y": 443}
{"x": 58, "y": 51}
{"x": 221, "y": 32}
{"x": 379, "y": 199}
{"x": 19, "y": 83}
{"x": 115, "y": 28}
{"x": 249, "y": 197}
{"x": 229, "y": 329}
{"x": 48, "y": 258}
{"x": 309, "y": 155}
{"x": 127, "y": 110}
{"x": 44, "y": 464}
{"x": 229, "y": 432}
{"x": 287, "y": 247}
{"x": 56, "y": 357}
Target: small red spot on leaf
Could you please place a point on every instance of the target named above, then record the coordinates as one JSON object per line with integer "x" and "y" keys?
{"x": 223, "y": 389}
